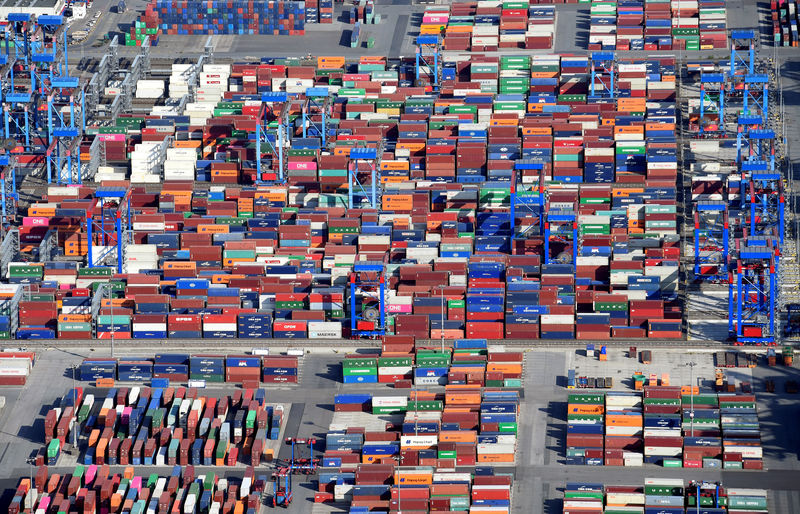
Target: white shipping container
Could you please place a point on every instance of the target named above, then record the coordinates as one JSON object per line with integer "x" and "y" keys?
{"x": 418, "y": 441}
{"x": 663, "y": 451}
{"x": 662, "y": 432}
{"x": 219, "y": 327}
{"x": 430, "y": 380}
{"x": 623, "y": 430}
{"x": 623, "y": 400}
{"x": 748, "y": 452}
{"x": 557, "y": 319}
{"x": 395, "y": 370}
{"x": 13, "y": 372}
{"x": 496, "y": 448}
{"x": 146, "y": 327}
{"x": 324, "y": 330}
{"x": 389, "y": 401}
{"x": 622, "y": 499}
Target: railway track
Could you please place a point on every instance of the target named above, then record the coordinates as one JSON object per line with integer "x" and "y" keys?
{"x": 316, "y": 344}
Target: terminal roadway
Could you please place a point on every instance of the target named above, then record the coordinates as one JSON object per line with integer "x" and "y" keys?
{"x": 247, "y": 344}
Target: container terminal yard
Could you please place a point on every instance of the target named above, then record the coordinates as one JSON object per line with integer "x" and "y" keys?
{"x": 395, "y": 256}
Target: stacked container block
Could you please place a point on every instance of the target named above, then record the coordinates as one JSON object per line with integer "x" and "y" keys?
{"x": 483, "y": 25}
{"x": 661, "y": 495}
{"x": 784, "y": 22}
{"x": 238, "y": 17}
{"x": 163, "y": 426}
{"x": 92, "y": 486}
{"x": 656, "y": 427}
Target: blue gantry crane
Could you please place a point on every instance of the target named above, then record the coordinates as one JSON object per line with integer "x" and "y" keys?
{"x": 743, "y": 52}
{"x": 365, "y": 163}
{"x": 561, "y": 228}
{"x": 111, "y": 229}
{"x": 428, "y": 62}
{"x": 368, "y": 299}
{"x": 712, "y": 102}
{"x": 752, "y": 291}
{"x": 755, "y": 96}
{"x": 711, "y": 240}
{"x": 282, "y": 495}
{"x": 763, "y": 198}
{"x": 315, "y": 112}
{"x": 275, "y": 109}
{"x": 527, "y": 201}
{"x": 602, "y": 83}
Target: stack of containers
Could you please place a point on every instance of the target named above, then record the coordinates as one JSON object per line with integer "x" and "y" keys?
{"x": 603, "y": 25}
{"x": 164, "y": 427}
{"x": 712, "y": 20}
{"x": 243, "y": 369}
{"x": 497, "y": 442}
{"x": 663, "y": 443}
{"x": 311, "y": 11}
{"x": 658, "y": 26}
{"x": 784, "y": 23}
{"x": 15, "y": 367}
{"x": 180, "y": 164}
{"x": 178, "y": 85}
{"x": 624, "y": 429}
{"x": 432, "y": 367}
{"x": 741, "y": 437}
{"x": 582, "y": 498}
{"x": 147, "y": 162}
{"x": 173, "y": 367}
{"x": 146, "y": 26}
{"x": 261, "y": 17}
{"x": 97, "y": 369}
{"x": 360, "y": 370}
{"x": 630, "y": 35}
{"x": 326, "y": 11}
{"x": 280, "y": 369}
{"x": 150, "y": 89}
{"x": 585, "y": 428}
{"x": 210, "y": 368}
{"x": 541, "y": 27}
{"x": 664, "y": 493}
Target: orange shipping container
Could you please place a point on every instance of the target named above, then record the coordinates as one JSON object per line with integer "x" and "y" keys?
{"x": 504, "y": 367}
{"x": 330, "y": 63}
{"x": 413, "y": 478}
{"x": 624, "y": 421}
{"x": 460, "y": 436}
{"x": 495, "y": 457}
{"x": 213, "y": 229}
{"x": 584, "y": 409}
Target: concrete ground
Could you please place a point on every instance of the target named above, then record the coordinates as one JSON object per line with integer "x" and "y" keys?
{"x": 540, "y": 471}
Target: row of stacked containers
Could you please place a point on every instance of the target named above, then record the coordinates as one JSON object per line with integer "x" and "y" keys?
{"x": 469, "y": 363}
{"x": 15, "y": 367}
{"x": 462, "y": 426}
{"x": 385, "y": 486}
{"x": 240, "y": 369}
{"x": 280, "y": 256}
{"x": 657, "y": 25}
{"x": 783, "y": 14}
{"x": 163, "y": 426}
{"x": 662, "y": 496}
{"x": 96, "y": 489}
{"x": 489, "y": 26}
{"x": 236, "y": 17}
{"x": 657, "y": 426}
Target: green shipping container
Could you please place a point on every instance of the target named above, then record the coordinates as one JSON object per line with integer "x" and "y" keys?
{"x": 586, "y": 399}
{"x": 428, "y": 405}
